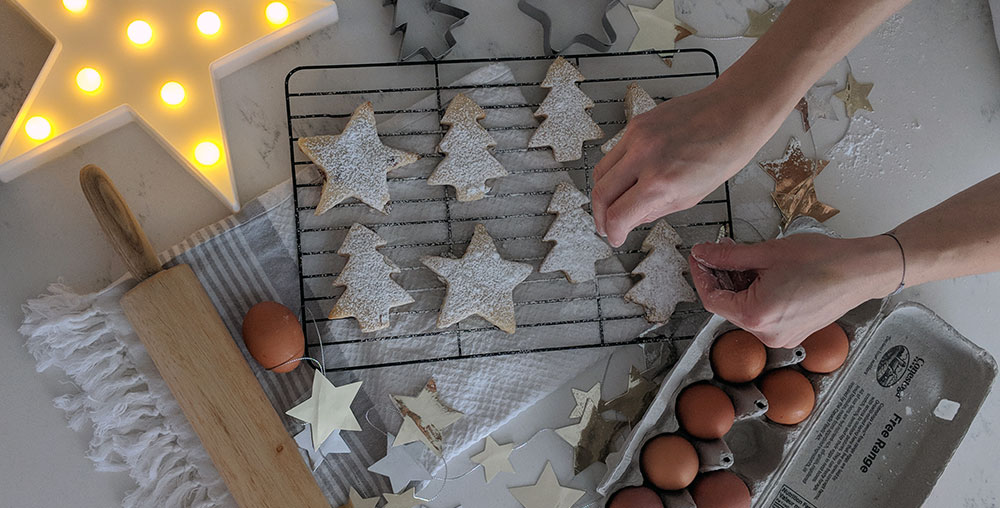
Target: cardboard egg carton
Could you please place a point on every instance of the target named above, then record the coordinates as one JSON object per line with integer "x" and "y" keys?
{"x": 883, "y": 428}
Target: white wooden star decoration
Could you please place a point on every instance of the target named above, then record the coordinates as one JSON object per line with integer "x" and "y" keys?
{"x": 354, "y": 500}
{"x": 327, "y": 409}
{"x": 820, "y": 103}
{"x": 400, "y": 465}
{"x": 424, "y": 417}
{"x": 546, "y": 492}
{"x": 494, "y": 458}
{"x": 333, "y": 444}
{"x": 659, "y": 27}
{"x": 156, "y": 63}
{"x": 407, "y": 499}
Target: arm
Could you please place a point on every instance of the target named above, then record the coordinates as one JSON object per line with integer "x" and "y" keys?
{"x": 673, "y": 156}
{"x": 805, "y": 282}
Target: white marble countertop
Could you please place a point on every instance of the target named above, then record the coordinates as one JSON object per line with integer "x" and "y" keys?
{"x": 935, "y": 130}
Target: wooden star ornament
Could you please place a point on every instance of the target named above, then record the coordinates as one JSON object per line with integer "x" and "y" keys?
{"x": 659, "y": 27}
{"x": 327, "y": 409}
{"x": 354, "y": 500}
{"x": 406, "y": 499}
{"x": 424, "y": 417}
{"x": 494, "y": 458}
{"x": 855, "y": 95}
{"x": 584, "y": 397}
{"x": 355, "y": 162}
{"x": 590, "y": 437}
{"x": 638, "y": 394}
{"x": 153, "y": 63}
{"x": 546, "y": 492}
{"x": 794, "y": 189}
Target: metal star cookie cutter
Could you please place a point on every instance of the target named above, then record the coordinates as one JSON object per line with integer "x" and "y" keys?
{"x": 544, "y": 11}
{"x": 422, "y": 30}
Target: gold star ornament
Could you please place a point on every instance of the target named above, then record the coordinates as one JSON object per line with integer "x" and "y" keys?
{"x": 794, "y": 184}
{"x": 855, "y": 95}
{"x": 760, "y": 22}
{"x": 659, "y": 27}
{"x": 156, "y": 63}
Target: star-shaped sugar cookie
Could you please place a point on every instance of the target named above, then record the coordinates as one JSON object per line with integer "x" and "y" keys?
{"x": 855, "y": 95}
{"x": 355, "y": 163}
{"x": 327, "y": 409}
{"x": 479, "y": 283}
{"x": 637, "y": 102}
{"x": 424, "y": 417}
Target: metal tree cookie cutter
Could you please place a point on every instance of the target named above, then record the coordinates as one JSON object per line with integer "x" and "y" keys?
{"x": 544, "y": 11}
{"x": 423, "y": 22}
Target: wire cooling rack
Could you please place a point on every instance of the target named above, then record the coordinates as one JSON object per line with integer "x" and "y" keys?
{"x": 409, "y": 99}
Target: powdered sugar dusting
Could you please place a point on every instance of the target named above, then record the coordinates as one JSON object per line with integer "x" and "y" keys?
{"x": 577, "y": 246}
{"x": 370, "y": 291}
{"x": 567, "y": 123}
{"x": 468, "y": 163}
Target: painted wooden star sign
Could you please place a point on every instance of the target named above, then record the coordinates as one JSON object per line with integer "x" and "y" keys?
{"x": 855, "y": 95}
{"x": 327, "y": 409}
{"x": 659, "y": 27}
{"x": 479, "y": 283}
{"x": 355, "y": 163}
{"x": 156, "y": 63}
{"x": 794, "y": 184}
{"x": 424, "y": 418}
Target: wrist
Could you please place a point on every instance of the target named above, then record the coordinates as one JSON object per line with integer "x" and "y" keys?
{"x": 878, "y": 263}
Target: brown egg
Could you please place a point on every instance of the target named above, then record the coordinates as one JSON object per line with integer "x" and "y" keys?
{"x": 826, "y": 349}
{"x": 720, "y": 489}
{"x": 273, "y": 336}
{"x": 635, "y": 497}
{"x": 790, "y": 396}
{"x": 705, "y": 411}
{"x": 738, "y": 357}
{"x": 669, "y": 462}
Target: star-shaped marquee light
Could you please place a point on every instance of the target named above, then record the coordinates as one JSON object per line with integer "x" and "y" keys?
{"x": 115, "y": 61}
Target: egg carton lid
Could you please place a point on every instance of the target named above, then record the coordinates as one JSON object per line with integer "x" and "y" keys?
{"x": 889, "y": 421}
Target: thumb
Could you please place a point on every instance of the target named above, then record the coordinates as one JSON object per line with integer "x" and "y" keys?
{"x": 728, "y": 255}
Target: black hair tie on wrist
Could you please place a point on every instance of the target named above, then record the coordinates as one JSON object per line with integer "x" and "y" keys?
{"x": 902, "y": 280}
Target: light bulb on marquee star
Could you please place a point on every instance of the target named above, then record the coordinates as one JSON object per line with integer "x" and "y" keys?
{"x": 38, "y": 128}
{"x": 75, "y": 5}
{"x": 276, "y": 13}
{"x": 207, "y": 153}
{"x": 209, "y": 23}
{"x": 139, "y": 32}
{"x": 88, "y": 79}
{"x": 172, "y": 93}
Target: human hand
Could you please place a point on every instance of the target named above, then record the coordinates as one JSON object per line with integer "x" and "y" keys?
{"x": 803, "y": 282}
{"x": 673, "y": 156}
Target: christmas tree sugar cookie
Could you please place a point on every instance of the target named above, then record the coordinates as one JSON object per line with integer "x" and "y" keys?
{"x": 576, "y": 245}
{"x": 567, "y": 122}
{"x": 637, "y": 102}
{"x": 663, "y": 285}
{"x": 468, "y": 162}
{"x": 370, "y": 291}
{"x": 355, "y": 163}
{"x": 479, "y": 283}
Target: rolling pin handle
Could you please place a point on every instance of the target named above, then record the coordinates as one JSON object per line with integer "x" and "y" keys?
{"x": 118, "y": 223}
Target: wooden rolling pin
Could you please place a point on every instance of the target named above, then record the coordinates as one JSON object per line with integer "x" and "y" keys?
{"x": 197, "y": 357}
